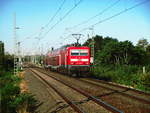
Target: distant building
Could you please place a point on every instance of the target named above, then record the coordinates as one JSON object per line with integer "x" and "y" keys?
{"x": 1, "y": 53}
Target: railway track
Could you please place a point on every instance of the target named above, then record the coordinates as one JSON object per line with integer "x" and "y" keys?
{"x": 119, "y": 86}
{"x": 122, "y": 98}
{"x": 72, "y": 104}
{"x": 122, "y": 90}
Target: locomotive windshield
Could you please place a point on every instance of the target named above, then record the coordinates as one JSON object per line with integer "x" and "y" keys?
{"x": 79, "y": 52}
{"x": 74, "y": 52}
{"x": 83, "y": 52}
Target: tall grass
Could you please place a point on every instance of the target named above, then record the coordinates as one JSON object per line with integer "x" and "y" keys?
{"x": 130, "y": 75}
{"x": 11, "y": 98}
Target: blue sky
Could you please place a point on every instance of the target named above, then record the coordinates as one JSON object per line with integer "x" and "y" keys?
{"x": 32, "y": 15}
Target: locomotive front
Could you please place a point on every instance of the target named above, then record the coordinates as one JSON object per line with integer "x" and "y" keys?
{"x": 78, "y": 60}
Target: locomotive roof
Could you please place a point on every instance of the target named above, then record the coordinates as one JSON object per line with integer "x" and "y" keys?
{"x": 78, "y": 47}
{"x": 65, "y": 47}
{"x": 57, "y": 51}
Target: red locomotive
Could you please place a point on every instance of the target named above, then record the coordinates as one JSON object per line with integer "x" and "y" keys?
{"x": 69, "y": 60}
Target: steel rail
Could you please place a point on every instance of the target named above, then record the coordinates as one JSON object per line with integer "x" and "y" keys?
{"x": 122, "y": 93}
{"x": 72, "y": 104}
{"x": 116, "y": 85}
{"x": 119, "y": 86}
{"x": 96, "y": 100}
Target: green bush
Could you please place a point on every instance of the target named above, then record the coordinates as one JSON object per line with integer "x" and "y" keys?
{"x": 145, "y": 79}
{"x": 9, "y": 90}
{"x": 147, "y": 67}
{"x": 102, "y": 72}
{"x": 130, "y": 75}
{"x": 11, "y": 98}
{"x": 7, "y": 78}
{"x": 25, "y": 98}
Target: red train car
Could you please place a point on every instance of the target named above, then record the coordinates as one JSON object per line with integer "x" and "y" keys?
{"x": 71, "y": 60}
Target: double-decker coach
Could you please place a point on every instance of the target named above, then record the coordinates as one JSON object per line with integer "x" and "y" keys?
{"x": 71, "y": 60}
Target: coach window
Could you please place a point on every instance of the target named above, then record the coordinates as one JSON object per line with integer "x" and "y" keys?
{"x": 74, "y": 52}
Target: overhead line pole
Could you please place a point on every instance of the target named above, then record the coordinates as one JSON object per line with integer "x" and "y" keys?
{"x": 15, "y": 47}
{"x": 17, "y": 55}
{"x": 93, "y": 43}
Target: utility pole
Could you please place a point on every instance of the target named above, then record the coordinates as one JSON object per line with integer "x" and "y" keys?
{"x": 19, "y": 56}
{"x": 77, "y": 37}
{"x": 144, "y": 70}
{"x": 15, "y": 47}
{"x": 93, "y": 44}
{"x": 41, "y": 60}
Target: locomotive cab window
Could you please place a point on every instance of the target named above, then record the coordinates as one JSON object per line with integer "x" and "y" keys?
{"x": 74, "y": 52}
{"x": 83, "y": 52}
{"x": 79, "y": 52}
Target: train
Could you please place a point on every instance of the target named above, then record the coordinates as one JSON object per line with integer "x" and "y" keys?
{"x": 74, "y": 61}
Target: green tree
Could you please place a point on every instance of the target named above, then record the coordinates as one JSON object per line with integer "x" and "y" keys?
{"x": 99, "y": 42}
{"x": 148, "y": 49}
{"x": 148, "y": 54}
{"x": 9, "y": 62}
{"x": 121, "y": 53}
{"x": 1, "y": 54}
{"x": 139, "y": 56}
{"x": 108, "y": 54}
{"x": 143, "y": 43}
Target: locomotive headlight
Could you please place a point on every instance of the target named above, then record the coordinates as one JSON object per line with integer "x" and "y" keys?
{"x": 84, "y": 60}
{"x": 74, "y": 59}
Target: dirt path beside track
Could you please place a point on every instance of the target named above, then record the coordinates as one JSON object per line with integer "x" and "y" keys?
{"x": 50, "y": 101}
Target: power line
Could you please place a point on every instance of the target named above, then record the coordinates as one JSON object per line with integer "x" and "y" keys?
{"x": 117, "y": 14}
{"x": 52, "y": 18}
{"x": 108, "y": 18}
{"x": 98, "y": 14}
{"x": 63, "y": 17}
{"x": 30, "y": 36}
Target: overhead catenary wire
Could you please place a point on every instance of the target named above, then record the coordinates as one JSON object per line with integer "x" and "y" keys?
{"x": 98, "y": 14}
{"x": 108, "y": 18}
{"x": 30, "y": 36}
{"x": 41, "y": 30}
{"x": 115, "y": 15}
{"x": 62, "y": 18}
{"x": 44, "y": 26}
{"x": 52, "y": 18}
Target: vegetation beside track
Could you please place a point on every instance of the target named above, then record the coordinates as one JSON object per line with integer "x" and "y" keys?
{"x": 121, "y": 61}
{"x": 126, "y": 75}
{"x": 11, "y": 98}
